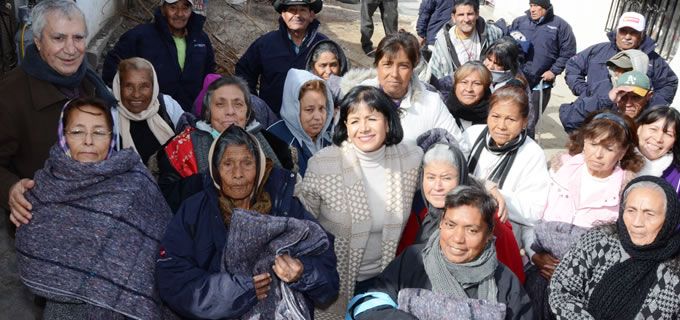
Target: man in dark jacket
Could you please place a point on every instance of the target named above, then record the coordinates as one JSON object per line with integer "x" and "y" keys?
{"x": 551, "y": 45}
{"x": 432, "y": 16}
{"x": 268, "y": 59}
{"x": 588, "y": 67}
{"x": 177, "y": 47}
{"x": 53, "y": 72}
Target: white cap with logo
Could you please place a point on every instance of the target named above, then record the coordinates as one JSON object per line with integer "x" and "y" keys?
{"x": 632, "y": 20}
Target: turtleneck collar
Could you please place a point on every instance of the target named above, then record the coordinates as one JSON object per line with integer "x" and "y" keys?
{"x": 372, "y": 158}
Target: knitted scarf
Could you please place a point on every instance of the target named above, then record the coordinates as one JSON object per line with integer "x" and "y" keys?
{"x": 508, "y": 153}
{"x": 95, "y": 234}
{"x": 476, "y": 113}
{"x": 453, "y": 278}
{"x": 36, "y": 67}
{"x": 625, "y": 286}
{"x": 159, "y": 127}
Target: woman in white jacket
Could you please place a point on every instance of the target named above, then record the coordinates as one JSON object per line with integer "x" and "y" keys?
{"x": 502, "y": 153}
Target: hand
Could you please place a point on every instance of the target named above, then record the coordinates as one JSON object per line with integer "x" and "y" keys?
{"x": 617, "y": 93}
{"x": 20, "y": 208}
{"x": 287, "y": 268}
{"x": 546, "y": 263}
{"x": 548, "y": 76}
{"x": 502, "y": 209}
{"x": 261, "y": 283}
{"x": 421, "y": 41}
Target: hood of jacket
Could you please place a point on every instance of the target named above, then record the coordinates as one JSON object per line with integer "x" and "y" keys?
{"x": 195, "y": 23}
{"x": 290, "y": 109}
{"x": 647, "y": 45}
{"x": 342, "y": 58}
{"x": 355, "y": 77}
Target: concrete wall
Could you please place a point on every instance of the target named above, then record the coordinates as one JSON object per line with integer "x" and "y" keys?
{"x": 586, "y": 17}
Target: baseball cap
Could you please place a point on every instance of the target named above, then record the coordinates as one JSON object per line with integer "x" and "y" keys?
{"x": 191, "y": 2}
{"x": 638, "y": 81}
{"x": 632, "y": 20}
{"x": 621, "y": 60}
{"x": 314, "y": 5}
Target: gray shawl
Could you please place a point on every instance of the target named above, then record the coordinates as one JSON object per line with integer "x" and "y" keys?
{"x": 255, "y": 240}
{"x": 95, "y": 234}
{"x": 556, "y": 237}
{"x": 427, "y": 305}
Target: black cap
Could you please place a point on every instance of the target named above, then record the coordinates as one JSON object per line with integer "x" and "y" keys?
{"x": 545, "y": 4}
{"x": 314, "y": 5}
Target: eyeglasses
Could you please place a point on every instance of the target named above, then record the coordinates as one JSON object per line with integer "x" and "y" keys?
{"x": 97, "y": 135}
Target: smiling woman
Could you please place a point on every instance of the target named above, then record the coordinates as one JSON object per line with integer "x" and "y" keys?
{"x": 657, "y": 132}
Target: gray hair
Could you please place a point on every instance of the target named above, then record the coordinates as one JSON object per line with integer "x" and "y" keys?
{"x": 226, "y": 81}
{"x": 324, "y": 47}
{"x": 137, "y": 64}
{"x": 66, "y": 8}
{"x": 440, "y": 152}
{"x": 645, "y": 184}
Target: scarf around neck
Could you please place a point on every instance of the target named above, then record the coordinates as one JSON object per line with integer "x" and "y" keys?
{"x": 159, "y": 127}
{"x": 454, "y": 278}
{"x": 476, "y": 113}
{"x": 508, "y": 152}
{"x": 625, "y": 286}
{"x": 36, "y": 67}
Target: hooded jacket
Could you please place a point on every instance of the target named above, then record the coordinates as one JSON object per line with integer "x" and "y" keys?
{"x": 269, "y": 58}
{"x": 573, "y": 114}
{"x": 552, "y": 44}
{"x": 587, "y": 68}
{"x": 153, "y": 42}
{"x": 289, "y": 129}
{"x": 342, "y": 58}
{"x": 432, "y": 16}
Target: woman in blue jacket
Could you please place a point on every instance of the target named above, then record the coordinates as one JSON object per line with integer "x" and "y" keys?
{"x": 189, "y": 275}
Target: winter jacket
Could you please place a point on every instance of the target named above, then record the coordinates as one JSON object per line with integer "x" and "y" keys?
{"x": 153, "y": 42}
{"x": 268, "y": 59}
{"x": 432, "y": 16}
{"x": 408, "y": 271}
{"x": 444, "y": 61}
{"x": 552, "y": 44}
{"x": 188, "y": 269}
{"x": 588, "y": 67}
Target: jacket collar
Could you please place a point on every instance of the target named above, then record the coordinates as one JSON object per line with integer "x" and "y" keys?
{"x": 312, "y": 28}
{"x": 45, "y": 94}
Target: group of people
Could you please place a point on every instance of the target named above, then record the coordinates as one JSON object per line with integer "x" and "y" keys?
{"x": 303, "y": 188}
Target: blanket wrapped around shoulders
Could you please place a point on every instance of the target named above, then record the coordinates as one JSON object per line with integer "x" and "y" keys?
{"x": 427, "y": 305}
{"x": 556, "y": 237}
{"x": 255, "y": 240}
{"x": 95, "y": 234}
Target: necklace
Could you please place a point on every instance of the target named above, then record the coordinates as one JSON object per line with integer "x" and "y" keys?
{"x": 469, "y": 50}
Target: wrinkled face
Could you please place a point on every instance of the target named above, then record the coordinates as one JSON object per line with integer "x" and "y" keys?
{"x": 238, "y": 170}
{"x": 227, "y": 107}
{"x": 464, "y": 16}
{"x": 632, "y": 104}
{"x": 366, "y": 128}
{"x": 326, "y": 65}
{"x": 88, "y": 136}
{"x": 439, "y": 177}
{"x": 505, "y": 122}
{"x": 394, "y": 74}
{"x": 601, "y": 158}
{"x": 644, "y": 214}
{"x": 313, "y": 112}
{"x": 297, "y": 18}
{"x": 463, "y": 234}
{"x": 628, "y": 38}
{"x": 62, "y": 43}
{"x": 470, "y": 89}
{"x": 492, "y": 64}
{"x": 654, "y": 140}
{"x": 136, "y": 90}
{"x": 177, "y": 15}
{"x": 536, "y": 11}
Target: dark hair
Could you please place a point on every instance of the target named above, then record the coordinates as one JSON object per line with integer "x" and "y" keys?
{"x": 232, "y": 136}
{"x": 514, "y": 93}
{"x": 474, "y": 197}
{"x": 601, "y": 124}
{"x": 376, "y": 100}
{"x": 505, "y": 52}
{"x": 670, "y": 116}
{"x": 327, "y": 47}
{"x": 391, "y": 44}
{"x": 473, "y": 3}
{"x": 227, "y": 81}
{"x": 77, "y": 104}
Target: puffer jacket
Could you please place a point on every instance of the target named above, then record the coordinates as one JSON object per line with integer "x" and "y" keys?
{"x": 588, "y": 67}
{"x": 153, "y": 42}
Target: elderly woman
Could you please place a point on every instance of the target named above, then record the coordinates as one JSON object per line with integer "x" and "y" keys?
{"x": 657, "y": 143}
{"x": 469, "y": 103}
{"x": 584, "y": 191}
{"x": 361, "y": 188}
{"x": 500, "y": 152}
{"x": 147, "y": 119}
{"x": 190, "y": 274}
{"x": 93, "y": 208}
{"x": 181, "y": 160}
{"x": 327, "y": 59}
{"x": 627, "y": 270}
{"x": 458, "y": 262}
{"x": 307, "y": 113}
{"x": 419, "y": 109}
